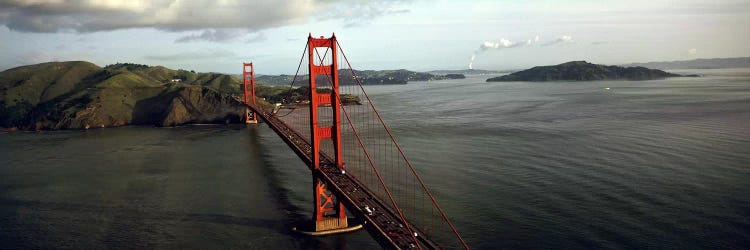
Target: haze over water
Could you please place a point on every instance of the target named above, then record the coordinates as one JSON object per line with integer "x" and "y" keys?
{"x": 650, "y": 164}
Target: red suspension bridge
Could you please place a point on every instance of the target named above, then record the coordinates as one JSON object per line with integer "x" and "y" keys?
{"x": 356, "y": 164}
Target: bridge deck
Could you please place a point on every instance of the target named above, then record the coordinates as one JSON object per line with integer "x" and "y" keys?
{"x": 383, "y": 224}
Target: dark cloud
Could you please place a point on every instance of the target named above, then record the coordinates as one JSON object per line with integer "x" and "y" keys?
{"x": 90, "y": 16}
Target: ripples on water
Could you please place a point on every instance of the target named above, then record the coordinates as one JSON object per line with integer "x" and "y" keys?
{"x": 653, "y": 164}
{"x": 660, "y": 164}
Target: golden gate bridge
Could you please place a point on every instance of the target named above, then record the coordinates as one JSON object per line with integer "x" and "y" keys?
{"x": 356, "y": 163}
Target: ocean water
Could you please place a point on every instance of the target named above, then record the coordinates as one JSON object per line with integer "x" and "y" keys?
{"x": 604, "y": 164}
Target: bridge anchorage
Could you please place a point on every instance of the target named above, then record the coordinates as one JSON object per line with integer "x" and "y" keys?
{"x": 357, "y": 166}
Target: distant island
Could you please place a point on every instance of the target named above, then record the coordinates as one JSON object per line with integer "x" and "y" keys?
{"x": 712, "y": 63}
{"x": 455, "y": 76}
{"x": 583, "y": 71}
{"x": 366, "y": 77}
{"x": 465, "y": 72}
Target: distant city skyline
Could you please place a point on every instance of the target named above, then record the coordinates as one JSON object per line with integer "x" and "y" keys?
{"x": 216, "y": 36}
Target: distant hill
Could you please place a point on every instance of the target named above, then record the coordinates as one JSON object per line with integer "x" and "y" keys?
{"x": 713, "y": 63}
{"x": 465, "y": 72}
{"x": 367, "y": 77}
{"x": 583, "y": 71}
{"x": 77, "y": 94}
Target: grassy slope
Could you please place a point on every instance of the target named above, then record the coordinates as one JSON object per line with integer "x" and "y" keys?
{"x": 77, "y": 94}
{"x": 160, "y": 74}
{"x": 43, "y": 82}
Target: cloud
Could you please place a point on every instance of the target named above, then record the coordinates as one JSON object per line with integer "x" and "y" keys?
{"x": 194, "y": 55}
{"x": 693, "y": 51}
{"x": 222, "y": 36}
{"x": 562, "y": 39}
{"x": 211, "y": 35}
{"x": 508, "y": 44}
{"x": 599, "y": 43}
{"x": 84, "y": 16}
{"x": 360, "y": 12}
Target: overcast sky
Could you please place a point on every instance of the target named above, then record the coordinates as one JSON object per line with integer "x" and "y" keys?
{"x": 217, "y": 35}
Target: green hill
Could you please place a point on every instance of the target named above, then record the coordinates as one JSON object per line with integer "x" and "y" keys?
{"x": 43, "y": 82}
{"x": 163, "y": 75}
{"x": 76, "y": 94}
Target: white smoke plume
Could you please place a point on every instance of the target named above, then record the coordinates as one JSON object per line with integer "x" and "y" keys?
{"x": 471, "y": 62}
{"x": 503, "y": 43}
{"x": 508, "y": 44}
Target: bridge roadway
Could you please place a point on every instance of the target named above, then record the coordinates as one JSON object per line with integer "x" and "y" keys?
{"x": 383, "y": 223}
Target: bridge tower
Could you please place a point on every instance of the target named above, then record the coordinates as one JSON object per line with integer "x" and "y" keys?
{"x": 329, "y": 213}
{"x": 248, "y": 78}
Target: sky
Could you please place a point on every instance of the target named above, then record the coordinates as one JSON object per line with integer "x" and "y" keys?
{"x": 421, "y": 35}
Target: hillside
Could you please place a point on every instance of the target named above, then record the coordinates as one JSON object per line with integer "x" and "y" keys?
{"x": 583, "y": 71}
{"x": 43, "y": 82}
{"x": 61, "y": 95}
{"x": 163, "y": 75}
{"x": 713, "y": 63}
